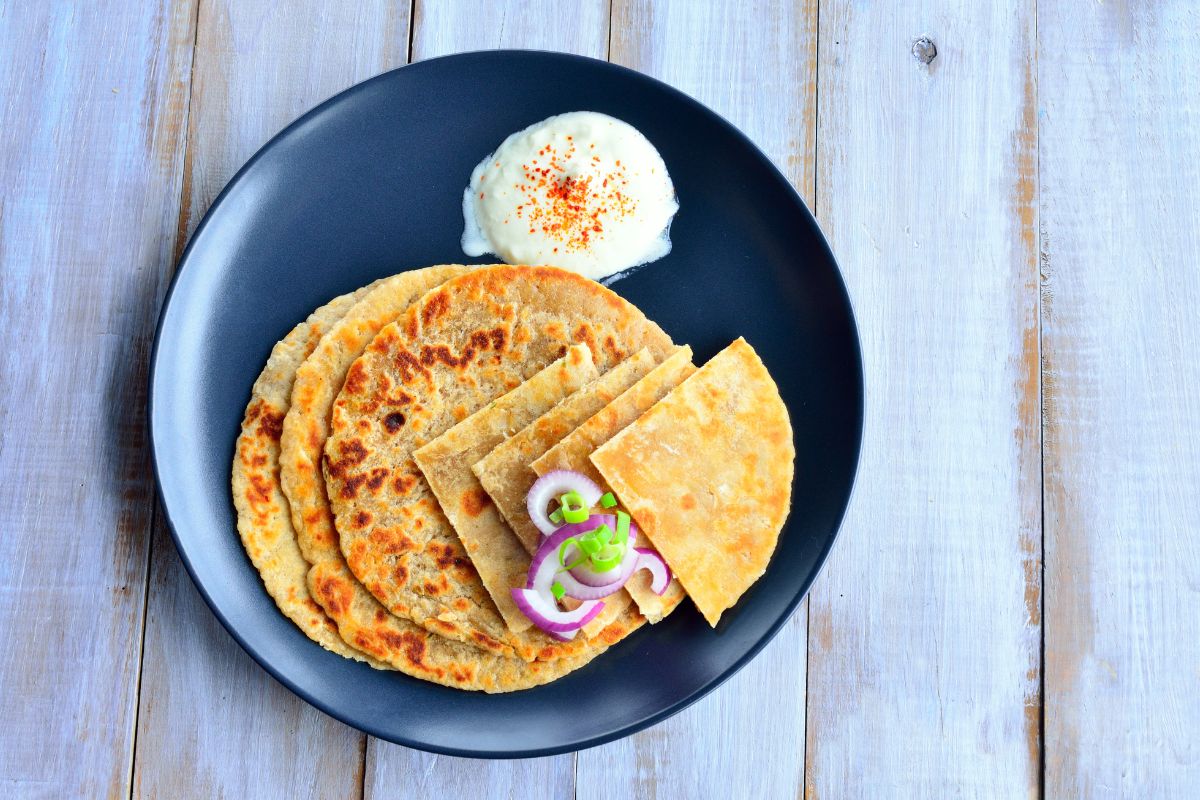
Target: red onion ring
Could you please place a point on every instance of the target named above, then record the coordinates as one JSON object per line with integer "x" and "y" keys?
{"x": 549, "y": 487}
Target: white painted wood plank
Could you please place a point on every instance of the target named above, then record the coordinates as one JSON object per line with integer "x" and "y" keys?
{"x": 754, "y": 63}
{"x": 442, "y": 27}
{"x": 1120, "y": 141}
{"x": 92, "y": 109}
{"x": 924, "y": 635}
{"x": 212, "y": 723}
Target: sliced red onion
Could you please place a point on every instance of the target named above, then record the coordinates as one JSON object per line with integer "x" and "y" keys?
{"x": 544, "y": 612}
{"x": 544, "y": 566}
{"x": 652, "y": 562}
{"x": 552, "y": 485}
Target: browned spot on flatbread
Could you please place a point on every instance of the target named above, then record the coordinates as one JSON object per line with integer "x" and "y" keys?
{"x": 474, "y": 501}
{"x": 435, "y": 307}
{"x": 499, "y": 338}
{"x": 446, "y": 628}
{"x": 376, "y": 478}
{"x": 486, "y": 641}
{"x": 437, "y": 587}
{"x": 335, "y": 594}
{"x": 356, "y": 379}
{"x": 271, "y": 425}
{"x": 258, "y": 495}
{"x": 350, "y": 487}
{"x": 352, "y": 454}
{"x": 393, "y": 422}
{"x": 392, "y": 541}
{"x": 409, "y": 366}
{"x": 409, "y": 643}
{"x": 362, "y": 519}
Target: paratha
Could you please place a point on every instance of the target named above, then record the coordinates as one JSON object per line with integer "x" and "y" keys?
{"x": 461, "y": 346}
{"x": 494, "y": 549}
{"x": 506, "y": 476}
{"x": 263, "y": 518}
{"x": 393, "y": 642}
{"x": 714, "y": 516}
{"x": 573, "y": 453}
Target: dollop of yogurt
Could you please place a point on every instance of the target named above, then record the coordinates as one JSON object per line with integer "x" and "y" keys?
{"x": 582, "y": 191}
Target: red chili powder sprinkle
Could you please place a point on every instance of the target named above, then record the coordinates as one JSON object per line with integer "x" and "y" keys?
{"x": 572, "y": 209}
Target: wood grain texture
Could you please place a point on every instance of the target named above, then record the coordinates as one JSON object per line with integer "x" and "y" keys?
{"x": 1120, "y": 134}
{"x": 924, "y": 641}
{"x": 212, "y": 723}
{"x": 754, "y": 63}
{"x": 93, "y": 112}
{"x": 441, "y": 27}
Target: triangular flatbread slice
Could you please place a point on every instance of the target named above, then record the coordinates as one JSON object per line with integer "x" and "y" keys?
{"x": 707, "y": 475}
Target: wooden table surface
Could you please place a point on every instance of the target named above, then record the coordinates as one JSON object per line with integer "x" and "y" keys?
{"x": 1011, "y": 608}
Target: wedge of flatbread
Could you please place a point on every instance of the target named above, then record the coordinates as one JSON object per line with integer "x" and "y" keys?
{"x": 496, "y": 552}
{"x": 707, "y": 475}
{"x": 573, "y": 453}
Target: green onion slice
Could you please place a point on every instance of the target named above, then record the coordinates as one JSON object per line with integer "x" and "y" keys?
{"x": 622, "y": 527}
{"x": 607, "y": 500}
{"x": 574, "y": 508}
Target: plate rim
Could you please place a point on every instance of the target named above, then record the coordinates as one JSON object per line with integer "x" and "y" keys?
{"x": 647, "y": 720}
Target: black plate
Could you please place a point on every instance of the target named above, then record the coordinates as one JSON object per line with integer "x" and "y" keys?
{"x": 370, "y": 183}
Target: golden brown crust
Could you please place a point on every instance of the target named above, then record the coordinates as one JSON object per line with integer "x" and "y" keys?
{"x": 716, "y": 512}
{"x": 263, "y": 519}
{"x": 462, "y": 345}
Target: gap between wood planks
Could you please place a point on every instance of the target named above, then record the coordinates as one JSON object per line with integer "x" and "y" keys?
{"x": 180, "y": 243}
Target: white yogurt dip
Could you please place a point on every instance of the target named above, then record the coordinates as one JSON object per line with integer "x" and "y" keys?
{"x": 582, "y": 191}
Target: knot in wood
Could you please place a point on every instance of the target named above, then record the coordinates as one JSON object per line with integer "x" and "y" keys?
{"x": 924, "y": 50}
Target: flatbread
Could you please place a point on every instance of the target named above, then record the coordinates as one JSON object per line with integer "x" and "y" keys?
{"x": 573, "y": 453}
{"x": 707, "y": 475}
{"x": 505, "y": 474}
{"x": 318, "y": 380}
{"x": 461, "y": 346}
{"x": 496, "y": 552}
{"x": 263, "y": 518}
{"x": 392, "y": 642}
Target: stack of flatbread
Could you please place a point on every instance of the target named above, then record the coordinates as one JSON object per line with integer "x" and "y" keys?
{"x": 381, "y": 472}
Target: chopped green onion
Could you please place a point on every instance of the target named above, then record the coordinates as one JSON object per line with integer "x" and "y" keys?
{"x": 590, "y": 545}
{"x": 603, "y": 534}
{"x": 574, "y": 509}
{"x": 562, "y": 554}
{"x": 607, "y": 500}
{"x": 622, "y": 527}
{"x": 608, "y": 558}
{"x": 556, "y": 516}
{"x": 558, "y": 590}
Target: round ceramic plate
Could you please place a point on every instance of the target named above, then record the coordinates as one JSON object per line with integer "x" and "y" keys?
{"x": 369, "y": 184}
